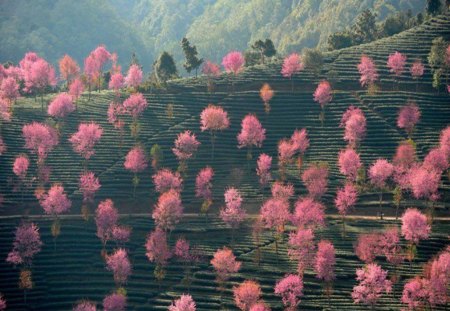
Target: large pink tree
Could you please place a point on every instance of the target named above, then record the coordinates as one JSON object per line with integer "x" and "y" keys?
{"x": 292, "y": 64}
{"x": 274, "y": 215}
{"x": 232, "y": 213}
{"x": 349, "y": 163}
{"x": 302, "y": 248}
{"x": 308, "y": 213}
{"x": 27, "y": 243}
{"x": 106, "y": 218}
{"x": 252, "y": 134}
{"x": 345, "y": 200}
{"x": 214, "y": 119}
{"x": 60, "y": 107}
{"x": 247, "y": 294}
{"x": 203, "y": 185}
{"x": 158, "y": 251}
{"x": 120, "y": 266}
{"x": 372, "y": 283}
{"x": 379, "y": 173}
{"x": 315, "y": 179}
{"x": 211, "y": 70}
{"x": 233, "y": 62}
{"x": 415, "y": 228}
{"x": 134, "y": 76}
{"x": 225, "y": 264}
{"x": 186, "y": 145}
{"x": 135, "y": 106}
{"x": 89, "y": 184}
{"x": 408, "y": 116}
{"x": 85, "y": 139}
{"x": 40, "y": 139}
{"x": 115, "y": 302}
{"x": 263, "y": 165}
{"x": 136, "y": 162}
{"x": 165, "y": 180}
{"x": 354, "y": 123}
{"x": 168, "y": 211}
{"x": 368, "y": 71}
{"x": 184, "y": 303}
{"x": 324, "y": 264}
{"x": 9, "y": 89}
{"x": 323, "y": 95}
{"x": 290, "y": 288}
{"x": 396, "y": 64}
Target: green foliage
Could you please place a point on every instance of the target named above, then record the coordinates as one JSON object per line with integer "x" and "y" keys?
{"x": 340, "y": 40}
{"x": 264, "y": 48}
{"x": 190, "y": 53}
{"x": 436, "y": 59}
{"x": 313, "y": 60}
{"x": 434, "y": 6}
{"x": 365, "y": 29}
{"x": 157, "y": 156}
{"x": 164, "y": 68}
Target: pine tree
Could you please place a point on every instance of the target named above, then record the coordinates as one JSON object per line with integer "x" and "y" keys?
{"x": 190, "y": 52}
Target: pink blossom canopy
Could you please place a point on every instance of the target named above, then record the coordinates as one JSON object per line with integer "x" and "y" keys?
{"x": 184, "y": 303}
{"x": 252, "y": 132}
{"x": 214, "y": 118}
{"x": 134, "y": 76}
{"x": 61, "y": 106}
{"x": 368, "y": 71}
{"x": 135, "y": 160}
{"x": 290, "y": 288}
{"x": 186, "y": 145}
{"x": 415, "y": 226}
{"x": 396, "y": 63}
{"x": 233, "y": 62}
{"x": 292, "y": 64}
{"x": 322, "y": 94}
{"x": 55, "y": 201}
{"x": 86, "y": 138}
{"x": 135, "y": 105}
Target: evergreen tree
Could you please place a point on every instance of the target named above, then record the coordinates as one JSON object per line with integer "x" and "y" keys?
{"x": 340, "y": 40}
{"x": 313, "y": 59}
{"x": 164, "y": 68}
{"x": 365, "y": 29}
{"x": 433, "y": 7}
{"x": 190, "y": 52}
{"x": 264, "y": 48}
{"x": 436, "y": 59}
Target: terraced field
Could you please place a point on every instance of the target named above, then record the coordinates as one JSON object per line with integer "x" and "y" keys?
{"x": 76, "y": 269}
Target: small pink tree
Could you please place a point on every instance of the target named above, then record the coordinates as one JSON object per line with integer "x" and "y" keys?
{"x": 247, "y": 294}
{"x": 20, "y": 169}
{"x": 232, "y": 213}
{"x": 396, "y": 64}
{"x": 379, "y": 173}
{"x": 372, "y": 283}
{"x": 263, "y": 166}
{"x": 416, "y": 293}
{"x": 233, "y": 63}
{"x": 116, "y": 82}
{"x": 55, "y": 202}
{"x": 300, "y": 143}
{"x": 367, "y": 246}
{"x": 408, "y": 116}
{"x": 225, "y": 264}
{"x": 323, "y": 96}
{"x": 120, "y": 265}
{"x": 186, "y": 145}
{"x": 88, "y": 185}
{"x": 281, "y": 191}
{"x": 168, "y": 210}
{"x": 76, "y": 88}
{"x": 368, "y": 71}
{"x": 290, "y": 288}
{"x": 136, "y": 162}
{"x": 184, "y": 303}
{"x": 85, "y": 306}
{"x": 84, "y": 141}
{"x": 302, "y": 249}
{"x": 165, "y": 180}
{"x": 315, "y": 179}
{"x": 114, "y": 302}
{"x": 135, "y": 106}
{"x": 308, "y": 214}
{"x": 60, "y": 107}
{"x": 414, "y": 228}
{"x": 260, "y": 306}
{"x": 324, "y": 265}
{"x": 9, "y": 89}
{"x": 292, "y": 64}
{"x": 134, "y": 76}
{"x": 213, "y": 119}
{"x": 349, "y": 164}
{"x": 266, "y": 94}
{"x": 211, "y": 70}
{"x": 203, "y": 187}
{"x": 286, "y": 152}
{"x": 354, "y": 123}
{"x": 157, "y": 251}
{"x": 345, "y": 200}
{"x": 106, "y": 218}
{"x": 252, "y": 134}
{"x": 423, "y": 183}
{"x": 274, "y": 215}
{"x": 417, "y": 69}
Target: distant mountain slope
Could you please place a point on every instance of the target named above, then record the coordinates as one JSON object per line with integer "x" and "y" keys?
{"x": 148, "y": 27}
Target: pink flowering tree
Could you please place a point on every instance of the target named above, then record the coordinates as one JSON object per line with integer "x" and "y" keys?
{"x": 416, "y": 293}
{"x": 415, "y": 227}
{"x": 134, "y": 76}
{"x": 439, "y": 276}
{"x": 247, "y": 294}
{"x": 184, "y": 303}
{"x": 116, "y": 82}
{"x": 232, "y": 213}
{"x": 444, "y": 140}
{"x": 354, "y": 123}
{"x": 368, "y": 71}
{"x": 85, "y": 139}
{"x": 233, "y": 63}
{"x": 396, "y": 64}
{"x": 379, "y": 173}
{"x": 186, "y": 145}
{"x": 60, "y": 107}
{"x": 281, "y": 191}
{"x": 115, "y": 113}
{"x": 115, "y": 302}
{"x": 367, "y": 246}
{"x": 210, "y": 70}
{"x": 168, "y": 210}
{"x": 417, "y": 69}
{"x": 349, "y": 163}
{"x": 373, "y": 283}
{"x": 187, "y": 255}
{"x": 55, "y": 202}
{"x": 424, "y": 184}
{"x": 300, "y": 143}
{"x": 292, "y": 64}
{"x": 38, "y": 75}
{"x": 274, "y": 215}
{"x": 225, "y": 265}
{"x": 323, "y": 96}
{"x": 203, "y": 187}
{"x": 286, "y": 152}
{"x": 85, "y": 306}
{"x": 408, "y": 116}
{"x": 260, "y": 306}
{"x": 290, "y": 288}
{"x": 158, "y": 251}
{"x": 101, "y": 56}
{"x": 252, "y": 134}
{"x": 135, "y": 106}
{"x": 136, "y": 162}
{"x": 308, "y": 214}
{"x": 91, "y": 72}
{"x": 76, "y": 88}
{"x": 9, "y": 89}
{"x": 315, "y": 179}
{"x": 266, "y": 94}
{"x": 20, "y": 169}
{"x": 106, "y": 218}
{"x": 27, "y": 243}
{"x": 165, "y": 180}
{"x": 302, "y": 248}
{"x": 120, "y": 266}
{"x": 88, "y": 185}
{"x": 214, "y": 119}
{"x": 345, "y": 200}
{"x": 5, "y": 110}
{"x": 68, "y": 69}
{"x": 263, "y": 165}
{"x": 324, "y": 263}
